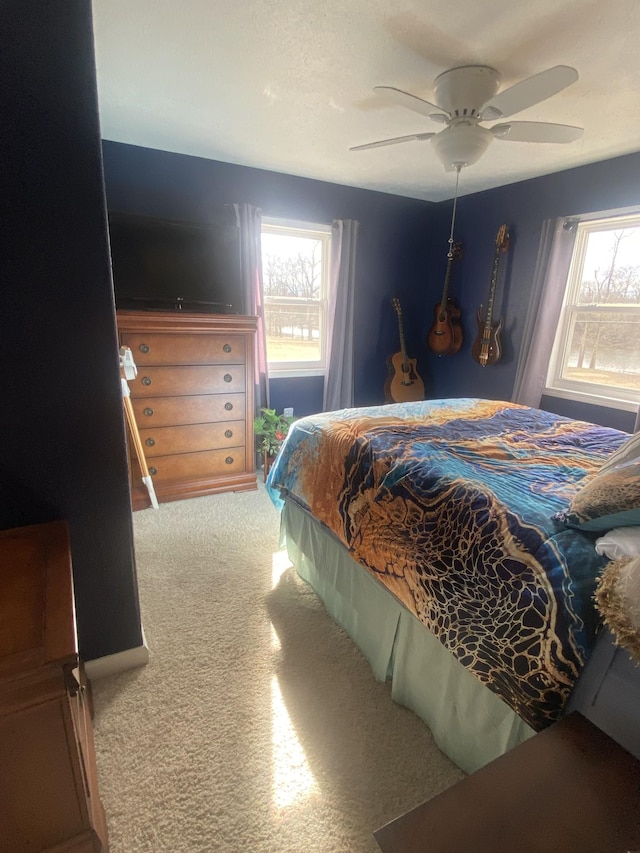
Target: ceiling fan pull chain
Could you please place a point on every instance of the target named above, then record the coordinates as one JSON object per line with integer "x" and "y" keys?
{"x": 453, "y": 215}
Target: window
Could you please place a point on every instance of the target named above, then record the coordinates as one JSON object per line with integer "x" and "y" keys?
{"x": 295, "y": 272}
{"x": 596, "y": 354}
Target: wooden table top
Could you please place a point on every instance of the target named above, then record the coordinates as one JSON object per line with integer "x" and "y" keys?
{"x": 568, "y": 788}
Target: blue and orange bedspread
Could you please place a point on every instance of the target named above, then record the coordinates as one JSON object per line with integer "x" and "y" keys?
{"x": 449, "y": 503}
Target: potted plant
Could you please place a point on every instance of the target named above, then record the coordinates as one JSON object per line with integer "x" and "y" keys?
{"x": 270, "y": 430}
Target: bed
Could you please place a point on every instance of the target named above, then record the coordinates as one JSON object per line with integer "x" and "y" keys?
{"x": 445, "y": 537}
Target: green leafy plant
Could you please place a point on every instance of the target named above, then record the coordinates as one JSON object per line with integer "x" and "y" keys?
{"x": 270, "y": 430}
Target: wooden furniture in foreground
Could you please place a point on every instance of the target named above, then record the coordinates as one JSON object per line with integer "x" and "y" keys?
{"x": 569, "y": 788}
{"x": 49, "y": 796}
{"x": 193, "y": 402}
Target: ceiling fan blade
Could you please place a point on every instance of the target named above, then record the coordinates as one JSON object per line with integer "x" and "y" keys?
{"x": 536, "y": 131}
{"x": 528, "y": 92}
{"x": 394, "y": 141}
{"x": 413, "y": 102}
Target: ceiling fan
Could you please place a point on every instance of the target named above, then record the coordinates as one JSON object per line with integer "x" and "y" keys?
{"x": 467, "y": 96}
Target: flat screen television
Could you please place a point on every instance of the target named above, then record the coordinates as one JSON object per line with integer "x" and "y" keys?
{"x": 165, "y": 264}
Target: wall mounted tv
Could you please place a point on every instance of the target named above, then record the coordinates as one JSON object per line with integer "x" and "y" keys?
{"x": 165, "y": 264}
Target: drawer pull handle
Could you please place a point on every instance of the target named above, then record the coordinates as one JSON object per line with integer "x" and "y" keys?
{"x": 150, "y": 442}
{"x": 229, "y": 460}
{"x": 228, "y": 377}
{"x": 153, "y": 470}
{"x": 143, "y": 348}
{"x": 148, "y": 411}
{"x": 146, "y": 380}
{"x": 228, "y": 406}
{"x": 227, "y": 347}
{"x": 228, "y": 433}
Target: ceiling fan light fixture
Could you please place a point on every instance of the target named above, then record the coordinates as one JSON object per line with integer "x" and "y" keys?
{"x": 461, "y": 145}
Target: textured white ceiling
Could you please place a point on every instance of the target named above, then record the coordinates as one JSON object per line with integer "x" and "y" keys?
{"x": 287, "y": 85}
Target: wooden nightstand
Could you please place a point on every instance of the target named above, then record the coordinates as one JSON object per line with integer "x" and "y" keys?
{"x": 570, "y": 789}
{"x": 48, "y": 778}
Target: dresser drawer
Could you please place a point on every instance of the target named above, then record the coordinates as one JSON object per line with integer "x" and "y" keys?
{"x": 193, "y": 466}
{"x": 163, "y": 441}
{"x": 198, "y": 409}
{"x": 178, "y": 381}
{"x": 184, "y": 349}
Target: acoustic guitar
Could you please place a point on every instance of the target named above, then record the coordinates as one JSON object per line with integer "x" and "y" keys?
{"x": 445, "y": 335}
{"x": 403, "y": 384}
{"x": 487, "y": 348}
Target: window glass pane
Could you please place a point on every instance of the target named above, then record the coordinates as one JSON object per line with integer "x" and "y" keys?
{"x": 293, "y": 330}
{"x": 604, "y": 349}
{"x": 611, "y": 270}
{"x": 293, "y": 275}
{"x": 596, "y": 354}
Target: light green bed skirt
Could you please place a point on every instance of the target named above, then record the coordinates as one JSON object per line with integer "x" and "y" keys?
{"x": 469, "y": 723}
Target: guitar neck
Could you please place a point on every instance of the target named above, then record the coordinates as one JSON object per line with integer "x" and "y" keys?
{"x": 447, "y": 277}
{"x": 455, "y": 251}
{"x": 492, "y": 293}
{"x": 502, "y": 244}
{"x": 403, "y": 349}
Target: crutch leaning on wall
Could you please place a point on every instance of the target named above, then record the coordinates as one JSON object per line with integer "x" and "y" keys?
{"x": 128, "y": 370}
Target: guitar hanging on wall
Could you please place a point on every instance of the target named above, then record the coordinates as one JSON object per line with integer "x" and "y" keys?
{"x": 403, "y": 384}
{"x": 486, "y": 347}
{"x": 445, "y": 335}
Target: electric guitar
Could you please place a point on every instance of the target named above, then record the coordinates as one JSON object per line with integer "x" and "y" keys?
{"x": 486, "y": 347}
{"x": 403, "y": 384}
{"x": 445, "y": 335}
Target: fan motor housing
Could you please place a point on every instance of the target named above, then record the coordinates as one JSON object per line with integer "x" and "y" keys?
{"x": 464, "y": 90}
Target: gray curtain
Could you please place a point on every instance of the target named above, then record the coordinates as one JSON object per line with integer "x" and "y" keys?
{"x": 547, "y": 293}
{"x": 338, "y": 383}
{"x": 250, "y": 224}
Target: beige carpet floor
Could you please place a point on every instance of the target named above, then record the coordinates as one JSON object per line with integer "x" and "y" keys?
{"x": 257, "y": 725}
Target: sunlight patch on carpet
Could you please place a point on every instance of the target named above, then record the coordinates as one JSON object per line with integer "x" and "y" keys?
{"x": 292, "y": 778}
{"x": 276, "y": 645}
{"x": 280, "y": 562}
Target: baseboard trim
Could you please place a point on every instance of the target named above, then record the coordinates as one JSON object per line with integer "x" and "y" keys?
{"x": 119, "y": 662}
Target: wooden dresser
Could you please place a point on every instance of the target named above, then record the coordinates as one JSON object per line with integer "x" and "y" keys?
{"x": 49, "y": 796}
{"x": 193, "y": 402}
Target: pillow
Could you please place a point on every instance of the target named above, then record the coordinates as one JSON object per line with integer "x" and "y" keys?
{"x": 628, "y": 451}
{"x": 610, "y": 498}
{"x": 620, "y": 542}
{"x": 618, "y": 600}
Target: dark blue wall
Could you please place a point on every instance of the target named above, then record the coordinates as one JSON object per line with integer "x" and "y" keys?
{"x": 62, "y": 445}
{"x": 523, "y": 207}
{"x": 402, "y": 251}
{"x": 395, "y": 249}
